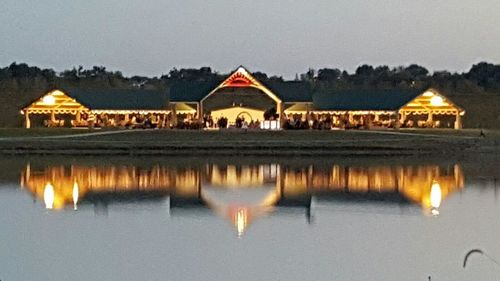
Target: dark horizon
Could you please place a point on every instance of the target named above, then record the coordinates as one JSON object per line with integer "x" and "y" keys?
{"x": 218, "y": 72}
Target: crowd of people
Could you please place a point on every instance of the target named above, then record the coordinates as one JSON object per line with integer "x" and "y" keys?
{"x": 129, "y": 121}
{"x": 287, "y": 122}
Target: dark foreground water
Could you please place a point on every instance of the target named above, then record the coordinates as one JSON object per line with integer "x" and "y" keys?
{"x": 247, "y": 219}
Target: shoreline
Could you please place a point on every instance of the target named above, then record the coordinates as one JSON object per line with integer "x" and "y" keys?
{"x": 258, "y": 143}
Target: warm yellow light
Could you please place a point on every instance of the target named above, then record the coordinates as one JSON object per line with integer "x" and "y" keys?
{"x": 49, "y": 99}
{"x": 48, "y": 196}
{"x": 436, "y": 197}
{"x": 75, "y": 195}
{"x": 428, "y": 94}
{"x": 437, "y": 101}
{"x": 241, "y": 221}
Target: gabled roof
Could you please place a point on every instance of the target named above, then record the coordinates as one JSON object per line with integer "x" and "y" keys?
{"x": 120, "y": 99}
{"x": 291, "y": 91}
{"x": 191, "y": 91}
{"x": 242, "y": 78}
{"x": 389, "y": 100}
{"x": 195, "y": 91}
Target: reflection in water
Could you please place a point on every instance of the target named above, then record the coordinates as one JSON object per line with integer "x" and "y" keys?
{"x": 241, "y": 220}
{"x": 48, "y": 196}
{"x": 241, "y": 193}
{"x": 75, "y": 195}
{"x": 436, "y": 197}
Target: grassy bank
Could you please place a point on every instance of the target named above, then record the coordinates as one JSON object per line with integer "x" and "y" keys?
{"x": 39, "y": 132}
{"x": 228, "y": 142}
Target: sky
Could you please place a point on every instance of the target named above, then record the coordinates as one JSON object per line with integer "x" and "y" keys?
{"x": 279, "y": 37}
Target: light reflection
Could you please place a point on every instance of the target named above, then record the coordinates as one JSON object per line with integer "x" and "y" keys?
{"x": 436, "y": 197}
{"x": 241, "y": 220}
{"x": 271, "y": 185}
{"x": 75, "y": 195}
{"x": 48, "y": 196}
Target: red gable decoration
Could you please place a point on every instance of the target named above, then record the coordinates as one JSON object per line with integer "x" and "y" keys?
{"x": 238, "y": 79}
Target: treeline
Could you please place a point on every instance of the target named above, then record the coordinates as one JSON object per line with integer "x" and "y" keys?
{"x": 482, "y": 77}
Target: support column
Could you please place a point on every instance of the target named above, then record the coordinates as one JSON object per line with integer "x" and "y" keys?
{"x": 163, "y": 119}
{"x": 279, "y": 109}
{"x": 430, "y": 119}
{"x": 350, "y": 120}
{"x": 458, "y": 121}
{"x": 174, "y": 117}
{"x": 397, "y": 123}
{"x": 198, "y": 111}
{"x": 27, "y": 121}
{"x": 78, "y": 117}
{"x": 403, "y": 117}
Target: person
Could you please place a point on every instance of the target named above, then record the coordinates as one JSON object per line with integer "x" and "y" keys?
{"x": 238, "y": 122}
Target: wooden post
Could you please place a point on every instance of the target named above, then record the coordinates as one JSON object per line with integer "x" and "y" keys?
{"x": 174, "y": 116}
{"x": 458, "y": 121}
{"x": 397, "y": 123}
{"x": 279, "y": 110}
{"x": 78, "y": 117}
{"x": 198, "y": 111}
{"x": 27, "y": 121}
{"x": 429, "y": 117}
{"x": 200, "y": 108}
{"x": 403, "y": 117}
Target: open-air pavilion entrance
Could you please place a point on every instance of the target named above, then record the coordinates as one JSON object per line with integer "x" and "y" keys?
{"x": 241, "y": 100}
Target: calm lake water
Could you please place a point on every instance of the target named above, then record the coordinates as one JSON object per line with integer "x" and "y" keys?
{"x": 247, "y": 219}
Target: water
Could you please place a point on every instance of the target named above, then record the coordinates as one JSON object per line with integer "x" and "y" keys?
{"x": 247, "y": 219}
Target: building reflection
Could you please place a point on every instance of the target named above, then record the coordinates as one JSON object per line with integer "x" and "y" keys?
{"x": 243, "y": 193}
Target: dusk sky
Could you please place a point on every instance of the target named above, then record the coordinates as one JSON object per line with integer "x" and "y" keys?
{"x": 282, "y": 37}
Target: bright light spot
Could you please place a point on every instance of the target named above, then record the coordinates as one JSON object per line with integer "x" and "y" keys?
{"x": 436, "y": 101}
{"x": 75, "y": 194}
{"x": 48, "y": 196}
{"x": 241, "y": 69}
{"x": 436, "y": 197}
{"x": 49, "y": 99}
{"x": 428, "y": 94}
{"x": 241, "y": 221}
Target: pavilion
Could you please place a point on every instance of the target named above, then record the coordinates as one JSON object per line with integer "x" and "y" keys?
{"x": 108, "y": 107}
{"x": 272, "y": 104}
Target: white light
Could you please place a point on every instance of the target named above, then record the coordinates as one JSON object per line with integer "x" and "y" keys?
{"x": 75, "y": 195}
{"x": 241, "y": 221}
{"x": 49, "y": 99}
{"x": 428, "y": 94}
{"x": 48, "y": 196}
{"x": 436, "y": 196}
{"x": 436, "y": 101}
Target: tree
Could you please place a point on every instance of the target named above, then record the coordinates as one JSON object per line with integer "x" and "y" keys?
{"x": 328, "y": 74}
{"x": 485, "y": 74}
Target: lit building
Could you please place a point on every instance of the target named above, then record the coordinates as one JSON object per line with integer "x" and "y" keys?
{"x": 241, "y": 100}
